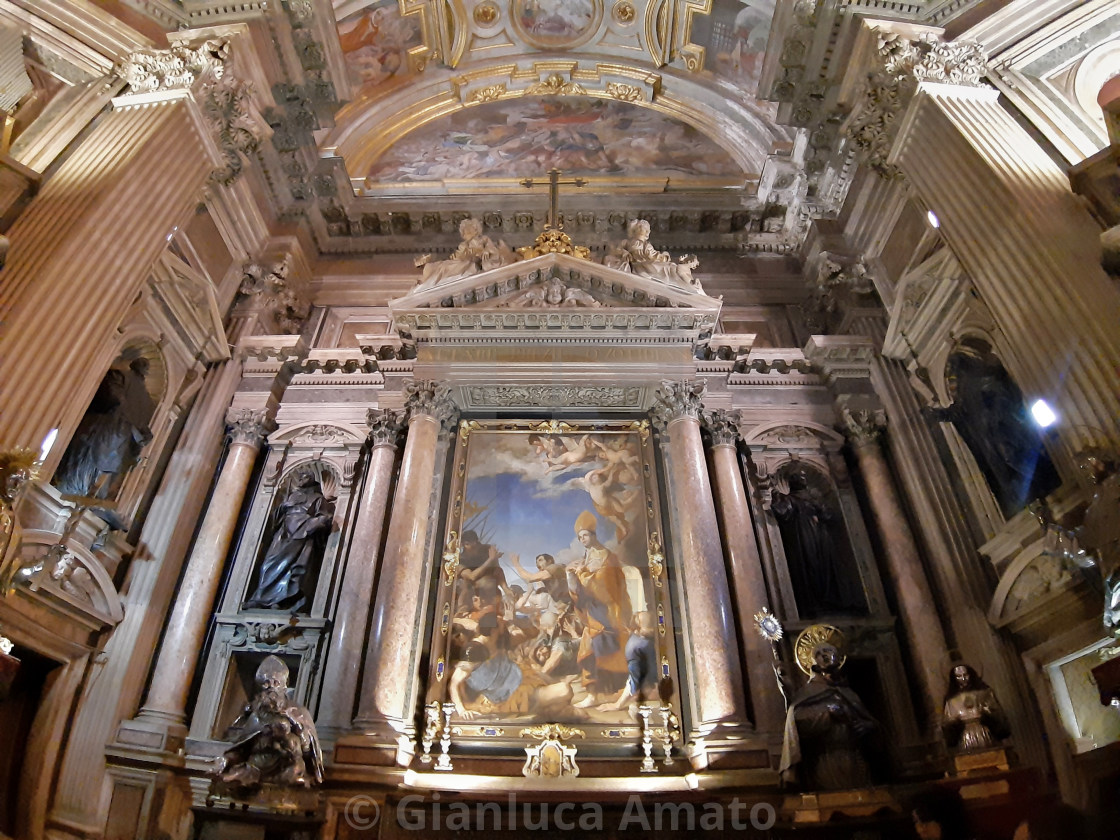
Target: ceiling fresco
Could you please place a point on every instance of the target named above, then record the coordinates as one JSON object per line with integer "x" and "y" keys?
{"x": 580, "y": 135}
{"x": 375, "y": 42}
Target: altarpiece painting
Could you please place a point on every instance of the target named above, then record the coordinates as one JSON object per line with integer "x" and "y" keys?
{"x": 552, "y": 603}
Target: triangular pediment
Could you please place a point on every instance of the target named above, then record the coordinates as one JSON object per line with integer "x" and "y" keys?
{"x": 557, "y": 291}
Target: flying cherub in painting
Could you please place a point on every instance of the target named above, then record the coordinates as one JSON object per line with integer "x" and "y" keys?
{"x": 622, "y": 462}
{"x": 612, "y": 500}
{"x": 573, "y": 452}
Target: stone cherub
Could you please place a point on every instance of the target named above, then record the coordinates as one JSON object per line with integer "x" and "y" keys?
{"x": 636, "y": 255}
{"x": 274, "y": 739}
{"x": 476, "y": 253}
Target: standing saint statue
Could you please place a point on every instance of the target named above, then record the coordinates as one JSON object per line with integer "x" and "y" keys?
{"x": 301, "y": 524}
{"x": 111, "y": 435}
{"x": 828, "y": 728}
{"x": 821, "y": 573}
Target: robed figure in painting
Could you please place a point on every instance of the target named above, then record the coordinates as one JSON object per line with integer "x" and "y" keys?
{"x": 598, "y": 587}
{"x": 827, "y": 730}
{"x": 301, "y": 524}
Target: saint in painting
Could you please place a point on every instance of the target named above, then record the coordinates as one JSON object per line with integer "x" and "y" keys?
{"x": 551, "y": 613}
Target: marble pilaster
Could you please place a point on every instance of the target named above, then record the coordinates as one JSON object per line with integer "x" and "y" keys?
{"x": 711, "y": 647}
{"x": 348, "y": 636}
{"x": 745, "y": 562}
{"x": 390, "y": 670}
{"x": 186, "y": 628}
{"x": 924, "y": 634}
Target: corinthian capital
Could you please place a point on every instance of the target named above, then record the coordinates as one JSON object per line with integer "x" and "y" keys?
{"x": 678, "y": 399}
{"x": 431, "y": 398}
{"x": 385, "y": 427}
{"x": 863, "y": 425}
{"x": 902, "y": 63}
{"x": 722, "y": 427}
{"x": 249, "y": 426}
{"x": 226, "y": 101}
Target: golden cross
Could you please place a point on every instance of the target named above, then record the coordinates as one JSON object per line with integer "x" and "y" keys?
{"x": 554, "y": 183}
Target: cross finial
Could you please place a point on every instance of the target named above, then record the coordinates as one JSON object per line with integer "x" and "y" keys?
{"x": 554, "y": 182}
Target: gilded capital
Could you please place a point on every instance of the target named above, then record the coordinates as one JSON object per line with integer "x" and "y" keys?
{"x": 903, "y": 63}
{"x": 675, "y": 400}
{"x": 385, "y": 426}
{"x": 248, "y": 426}
{"x": 863, "y": 425}
{"x": 722, "y": 427}
{"x": 431, "y": 398}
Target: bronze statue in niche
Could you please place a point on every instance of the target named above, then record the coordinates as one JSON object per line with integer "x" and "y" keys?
{"x": 111, "y": 435}
{"x": 989, "y": 414}
{"x": 301, "y": 524}
{"x": 823, "y": 572}
{"x": 828, "y": 730}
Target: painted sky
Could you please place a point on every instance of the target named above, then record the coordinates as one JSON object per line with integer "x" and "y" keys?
{"x": 527, "y": 137}
{"x": 530, "y": 511}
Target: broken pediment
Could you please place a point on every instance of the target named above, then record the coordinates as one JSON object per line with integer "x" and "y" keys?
{"x": 554, "y": 291}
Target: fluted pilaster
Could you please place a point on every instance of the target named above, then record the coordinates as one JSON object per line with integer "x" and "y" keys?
{"x": 1037, "y": 271}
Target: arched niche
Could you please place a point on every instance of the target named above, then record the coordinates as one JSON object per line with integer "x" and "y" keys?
{"x": 115, "y": 432}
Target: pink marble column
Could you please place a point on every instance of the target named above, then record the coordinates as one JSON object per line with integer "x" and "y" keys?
{"x": 747, "y": 580}
{"x": 344, "y": 659}
{"x": 390, "y": 669}
{"x": 706, "y": 613}
{"x": 166, "y": 703}
{"x": 922, "y": 625}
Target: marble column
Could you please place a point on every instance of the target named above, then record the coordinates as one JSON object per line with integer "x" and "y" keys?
{"x": 1038, "y": 271}
{"x": 920, "y": 620}
{"x": 83, "y": 249}
{"x": 711, "y": 647}
{"x": 348, "y": 637}
{"x": 745, "y": 562}
{"x": 166, "y": 703}
{"x": 391, "y": 666}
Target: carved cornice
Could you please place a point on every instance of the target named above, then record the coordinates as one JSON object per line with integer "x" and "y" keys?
{"x": 722, "y": 427}
{"x": 427, "y": 397}
{"x": 385, "y": 427}
{"x": 249, "y": 426}
{"x": 903, "y": 64}
{"x": 678, "y": 400}
{"x": 863, "y": 426}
